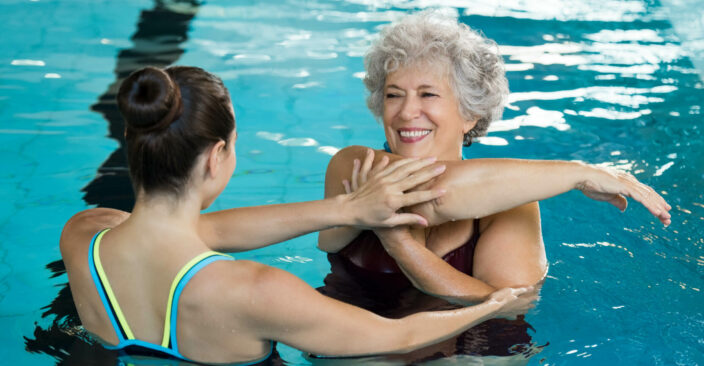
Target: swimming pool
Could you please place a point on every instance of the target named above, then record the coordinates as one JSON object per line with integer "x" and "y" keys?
{"x": 600, "y": 82}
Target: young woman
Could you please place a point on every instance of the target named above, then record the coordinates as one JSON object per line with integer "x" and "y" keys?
{"x": 149, "y": 283}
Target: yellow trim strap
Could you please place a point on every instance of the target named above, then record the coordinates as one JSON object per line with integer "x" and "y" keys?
{"x": 174, "y": 284}
{"x": 108, "y": 289}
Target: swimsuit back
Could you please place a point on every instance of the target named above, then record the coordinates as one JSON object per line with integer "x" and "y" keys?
{"x": 127, "y": 343}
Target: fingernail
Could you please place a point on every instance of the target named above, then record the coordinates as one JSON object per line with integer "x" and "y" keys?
{"x": 441, "y": 191}
{"x": 432, "y": 158}
{"x": 440, "y": 169}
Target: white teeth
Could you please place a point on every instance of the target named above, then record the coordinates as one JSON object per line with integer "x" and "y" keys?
{"x": 415, "y": 133}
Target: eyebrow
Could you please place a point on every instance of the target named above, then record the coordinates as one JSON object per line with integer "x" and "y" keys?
{"x": 424, "y": 86}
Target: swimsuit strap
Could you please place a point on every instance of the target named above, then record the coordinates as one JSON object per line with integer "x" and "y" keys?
{"x": 117, "y": 318}
{"x": 179, "y": 283}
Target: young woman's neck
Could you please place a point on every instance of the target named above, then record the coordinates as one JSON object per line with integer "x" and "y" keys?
{"x": 180, "y": 212}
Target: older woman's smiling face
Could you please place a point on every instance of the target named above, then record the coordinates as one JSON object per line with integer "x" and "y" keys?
{"x": 421, "y": 113}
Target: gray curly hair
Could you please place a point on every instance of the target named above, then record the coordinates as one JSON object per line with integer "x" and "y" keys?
{"x": 476, "y": 69}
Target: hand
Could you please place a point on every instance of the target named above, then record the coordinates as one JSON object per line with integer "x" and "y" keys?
{"x": 613, "y": 186}
{"x": 514, "y": 301}
{"x": 376, "y": 193}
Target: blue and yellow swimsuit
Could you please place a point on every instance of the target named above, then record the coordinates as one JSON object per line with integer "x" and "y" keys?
{"x": 127, "y": 343}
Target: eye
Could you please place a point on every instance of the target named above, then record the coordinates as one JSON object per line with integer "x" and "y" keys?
{"x": 391, "y": 95}
{"x": 428, "y": 95}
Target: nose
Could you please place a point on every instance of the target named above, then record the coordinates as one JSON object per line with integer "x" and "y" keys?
{"x": 411, "y": 108}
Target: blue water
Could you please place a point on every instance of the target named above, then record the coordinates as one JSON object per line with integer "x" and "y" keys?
{"x": 614, "y": 83}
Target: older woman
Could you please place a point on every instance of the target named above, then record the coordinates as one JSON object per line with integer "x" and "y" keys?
{"x": 436, "y": 85}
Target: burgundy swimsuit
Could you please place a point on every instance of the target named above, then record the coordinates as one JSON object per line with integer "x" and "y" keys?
{"x": 364, "y": 275}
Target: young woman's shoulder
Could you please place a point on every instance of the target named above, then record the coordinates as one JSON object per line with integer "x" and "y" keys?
{"x": 249, "y": 293}
{"x": 83, "y": 225}
{"x": 247, "y": 277}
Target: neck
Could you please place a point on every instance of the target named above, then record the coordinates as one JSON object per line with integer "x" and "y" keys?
{"x": 452, "y": 155}
{"x": 167, "y": 212}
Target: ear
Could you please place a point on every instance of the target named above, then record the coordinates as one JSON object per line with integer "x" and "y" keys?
{"x": 215, "y": 157}
{"x": 469, "y": 125}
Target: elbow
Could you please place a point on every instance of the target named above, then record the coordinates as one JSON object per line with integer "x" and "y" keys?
{"x": 534, "y": 279}
{"x": 326, "y": 242}
{"x": 404, "y": 341}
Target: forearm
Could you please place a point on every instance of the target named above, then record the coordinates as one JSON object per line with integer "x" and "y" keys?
{"x": 333, "y": 240}
{"x": 249, "y": 228}
{"x": 482, "y": 187}
{"x": 423, "y": 329}
{"x": 431, "y": 274}
{"x": 394, "y": 336}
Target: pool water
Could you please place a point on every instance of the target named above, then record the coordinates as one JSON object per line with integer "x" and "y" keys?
{"x": 611, "y": 82}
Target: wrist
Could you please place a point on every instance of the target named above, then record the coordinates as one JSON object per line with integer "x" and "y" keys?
{"x": 345, "y": 215}
{"x": 390, "y": 244}
{"x": 491, "y": 307}
{"x": 582, "y": 174}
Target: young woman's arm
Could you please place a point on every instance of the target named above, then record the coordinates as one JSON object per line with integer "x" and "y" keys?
{"x": 374, "y": 204}
{"x": 286, "y": 309}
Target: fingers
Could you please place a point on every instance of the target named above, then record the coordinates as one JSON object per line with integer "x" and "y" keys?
{"x": 521, "y": 290}
{"x": 381, "y": 165}
{"x": 420, "y": 177}
{"x": 406, "y": 219}
{"x": 644, "y": 194}
{"x": 366, "y": 166}
{"x": 355, "y": 175}
{"x": 407, "y": 168}
{"x": 655, "y": 203}
{"x": 414, "y": 198}
{"x": 346, "y": 184}
{"x": 395, "y": 166}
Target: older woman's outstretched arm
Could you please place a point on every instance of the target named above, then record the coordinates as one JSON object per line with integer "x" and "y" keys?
{"x": 482, "y": 187}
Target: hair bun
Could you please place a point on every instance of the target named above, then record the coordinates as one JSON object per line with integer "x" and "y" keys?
{"x": 149, "y": 100}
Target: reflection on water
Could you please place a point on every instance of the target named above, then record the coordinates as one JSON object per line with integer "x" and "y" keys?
{"x": 160, "y": 32}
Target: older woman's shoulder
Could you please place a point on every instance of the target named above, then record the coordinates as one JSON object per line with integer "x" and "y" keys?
{"x": 526, "y": 213}
{"x": 351, "y": 152}
{"x": 347, "y": 155}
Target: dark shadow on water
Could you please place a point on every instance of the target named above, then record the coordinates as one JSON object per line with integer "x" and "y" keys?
{"x": 157, "y": 42}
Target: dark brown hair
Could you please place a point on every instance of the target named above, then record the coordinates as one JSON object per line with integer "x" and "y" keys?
{"x": 171, "y": 117}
